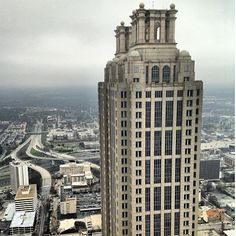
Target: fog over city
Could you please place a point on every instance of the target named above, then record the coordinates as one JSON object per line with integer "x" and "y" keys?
{"x": 59, "y": 43}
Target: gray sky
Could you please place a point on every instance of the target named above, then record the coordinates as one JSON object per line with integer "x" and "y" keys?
{"x": 56, "y": 43}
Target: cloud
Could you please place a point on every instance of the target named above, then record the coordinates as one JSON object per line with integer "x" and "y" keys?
{"x": 58, "y": 42}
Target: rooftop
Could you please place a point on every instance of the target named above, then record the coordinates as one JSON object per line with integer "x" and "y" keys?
{"x": 23, "y": 219}
{"x": 26, "y": 191}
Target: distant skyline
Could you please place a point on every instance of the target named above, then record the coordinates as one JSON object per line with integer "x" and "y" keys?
{"x": 59, "y": 43}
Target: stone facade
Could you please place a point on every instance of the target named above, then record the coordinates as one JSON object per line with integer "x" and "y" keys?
{"x": 150, "y": 110}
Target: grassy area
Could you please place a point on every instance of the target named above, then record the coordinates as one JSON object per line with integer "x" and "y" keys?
{"x": 36, "y": 153}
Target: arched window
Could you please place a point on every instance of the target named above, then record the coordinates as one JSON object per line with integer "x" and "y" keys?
{"x": 155, "y": 74}
{"x": 158, "y": 33}
{"x": 166, "y": 74}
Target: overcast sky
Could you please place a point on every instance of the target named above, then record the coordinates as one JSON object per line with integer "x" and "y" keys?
{"x": 56, "y": 43}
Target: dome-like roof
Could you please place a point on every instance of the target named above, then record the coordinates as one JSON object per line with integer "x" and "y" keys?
{"x": 184, "y": 53}
{"x": 172, "y": 6}
{"x": 122, "y": 23}
{"x": 141, "y": 5}
{"x": 134, "y": 54}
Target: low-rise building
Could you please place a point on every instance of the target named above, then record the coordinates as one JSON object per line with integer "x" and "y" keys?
{"x": 229, "y": 159}
{"x": 68, "y": 206}
{"x": 215, "y": 215}
{"x": 22, "y": 223}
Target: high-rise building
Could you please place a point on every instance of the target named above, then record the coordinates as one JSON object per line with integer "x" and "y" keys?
{"x": 150, "y": 108}
{"x": 26, "y": 198}
{"x": 19, "y": 175}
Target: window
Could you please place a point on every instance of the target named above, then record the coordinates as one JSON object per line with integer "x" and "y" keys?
{"x": 147, "y": 74}
{"x": 178, "y": 142}
{"x": 167, "y": 224}
{"x": 166, "y": 74}
{"x": 123, "y": 94}
{"x": 167, "y": 203}
{"x": 158, "y": 114}
{"x": 177, "y": 197}
{"x": 179, "y": 113}
{"x": 148, "y": 114}
{"x": 198, "y": 92}
{"x": 123, "y": 104}
{"x": 148, "y": 94}
{"x": 158, "y": 94}
{"x": 138, "y": 104}
{"x": 157, "y": 171}
{"x": 139, "y": 134}
{"x": 138, "y": 153}
{"x": 147, "y": 171}
{"x": 138, "y": 115}
{"x": 177, "y": 220}
{"x": 157, "y": 143}
{"x": 168, "y": 170}
{"x": 174, "y": 73}
{"x": 155, "y": 74}
{"x": 147, "y": 199}
{"x": 189, "y": 113}
{"x": 147, "y": 143}
{"x": 138, "y": 144}
{"x": 138, "y": 125}
{"x": 138, "y": 94}
{"x": 157, "y": 33}
{"x": 147, "y": 225}
{"x": 189, "y": 103}
{"x": 177, "y": 170}
{"x": 168, "y": 142}
{"x": 180, "y": 93}
{"x": 188, "y": 132}
{"x": 190, "y": 93}
{"x": 188, "y": 123}
{"x": 170, "y": 93}
{"x": 157, "y": 225}
{"x": 157, "y": 198}
{"x": 169, "y": 113}
{"x": 186, "y": 78}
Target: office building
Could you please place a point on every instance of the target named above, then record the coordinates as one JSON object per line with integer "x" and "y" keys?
{"x": 19, "y": 175}
{"x": 26, "y": 198}
{"x": 150, "y": 108}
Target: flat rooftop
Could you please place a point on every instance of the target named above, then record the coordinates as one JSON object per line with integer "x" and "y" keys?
{"x": 22, "y": 219}
{"x": 27, "y": 191}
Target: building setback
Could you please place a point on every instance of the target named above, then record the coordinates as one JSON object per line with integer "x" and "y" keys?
{"x": 150, "y": 110}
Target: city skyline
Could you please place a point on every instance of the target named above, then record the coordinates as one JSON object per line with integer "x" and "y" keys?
{"x": 55, "y": 44}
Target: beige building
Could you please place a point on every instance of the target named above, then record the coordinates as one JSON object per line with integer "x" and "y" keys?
{"x": 26, "y": 198}
{"x": 68, "y": 206}
{"x": 150, "y": 108}
{"x": 19, "y": 175}
{"x": 76, "y": 174}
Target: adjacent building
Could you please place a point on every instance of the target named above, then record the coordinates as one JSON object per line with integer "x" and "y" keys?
{"x": 26, "y": 198}
{"x": 150, "y": 108}
{"x": 68, "y": 206}
{"x": 23, "y": 223}
{"x": 19, "y": 175}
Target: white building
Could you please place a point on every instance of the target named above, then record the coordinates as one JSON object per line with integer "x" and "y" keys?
{"x": 22, "y": 223}
{"x": 19, "y": 174}
{"x": 26, "y": 198}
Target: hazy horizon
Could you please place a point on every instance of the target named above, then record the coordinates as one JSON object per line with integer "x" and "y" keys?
{"x": 58, "y": 43}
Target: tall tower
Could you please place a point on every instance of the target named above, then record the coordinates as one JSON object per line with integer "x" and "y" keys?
{"x": 150, "y": 108}
{"x": 19, "y": 175}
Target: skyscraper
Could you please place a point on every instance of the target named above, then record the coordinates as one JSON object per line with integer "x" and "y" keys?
{"x": 19, "y": 175}
{"x": 150, "y": 109}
